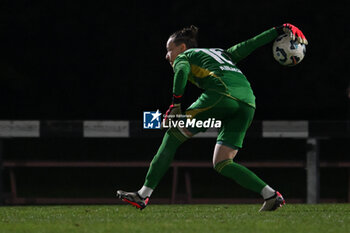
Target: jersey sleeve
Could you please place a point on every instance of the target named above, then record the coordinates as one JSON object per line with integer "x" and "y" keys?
{"x": 243, "y": 49}
{"x": 181, "y": 71}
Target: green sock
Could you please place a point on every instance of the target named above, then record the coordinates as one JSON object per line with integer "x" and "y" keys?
{"x": 172, "y": 139}
{"x": 242, "y": 175}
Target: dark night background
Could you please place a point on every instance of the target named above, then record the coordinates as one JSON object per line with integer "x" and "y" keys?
{"x": 106, "y": 59}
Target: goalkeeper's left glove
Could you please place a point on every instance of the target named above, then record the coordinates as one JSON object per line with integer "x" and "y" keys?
{"x": 173, "y": 110}
{"x": 292, "y": 31}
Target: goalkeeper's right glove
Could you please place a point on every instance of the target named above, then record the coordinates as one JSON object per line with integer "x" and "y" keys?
{"x": 294, "y": 32}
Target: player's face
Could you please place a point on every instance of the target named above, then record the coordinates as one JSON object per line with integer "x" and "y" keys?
{"x": 173, "y": 50}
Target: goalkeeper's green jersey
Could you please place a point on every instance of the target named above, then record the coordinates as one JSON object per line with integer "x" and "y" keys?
{"x": 215, "y": 69}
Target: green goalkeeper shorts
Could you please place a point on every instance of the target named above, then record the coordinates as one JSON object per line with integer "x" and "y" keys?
{"x": 235, "y": 116}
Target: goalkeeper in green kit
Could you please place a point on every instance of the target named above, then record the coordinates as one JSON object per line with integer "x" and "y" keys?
{"x": 227, "y": 97}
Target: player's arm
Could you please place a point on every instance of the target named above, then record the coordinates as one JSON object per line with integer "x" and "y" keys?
{"x": 181, "y": 71}
{"x": 243, "y": 49}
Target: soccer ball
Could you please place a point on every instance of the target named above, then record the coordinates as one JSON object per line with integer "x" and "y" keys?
{"x": 288, "y": 52}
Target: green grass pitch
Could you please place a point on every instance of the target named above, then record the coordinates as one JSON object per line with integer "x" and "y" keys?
{"x": 176, "y": 218}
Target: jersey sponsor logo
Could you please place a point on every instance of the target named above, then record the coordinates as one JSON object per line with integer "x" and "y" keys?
{"x": 152, "y": 119}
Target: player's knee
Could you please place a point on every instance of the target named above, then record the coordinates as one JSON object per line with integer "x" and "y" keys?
{"x": 217, "y": 162}
{"x": 220, "y": 165}
{"x": 223, "y": 153}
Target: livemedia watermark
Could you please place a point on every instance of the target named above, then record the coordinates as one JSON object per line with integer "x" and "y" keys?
{"x": 152, "y": 120}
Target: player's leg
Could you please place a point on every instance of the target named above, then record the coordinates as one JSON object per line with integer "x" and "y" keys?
{"x": 172, "y": 139}
{"x": 223, "y": 164}
{"x": 213, "y": 105}
{"x": 229, "y": 140}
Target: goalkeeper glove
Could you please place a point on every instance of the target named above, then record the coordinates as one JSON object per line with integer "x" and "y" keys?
{"x": 174, "y": 109}
{"x": 294, "y": 32}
